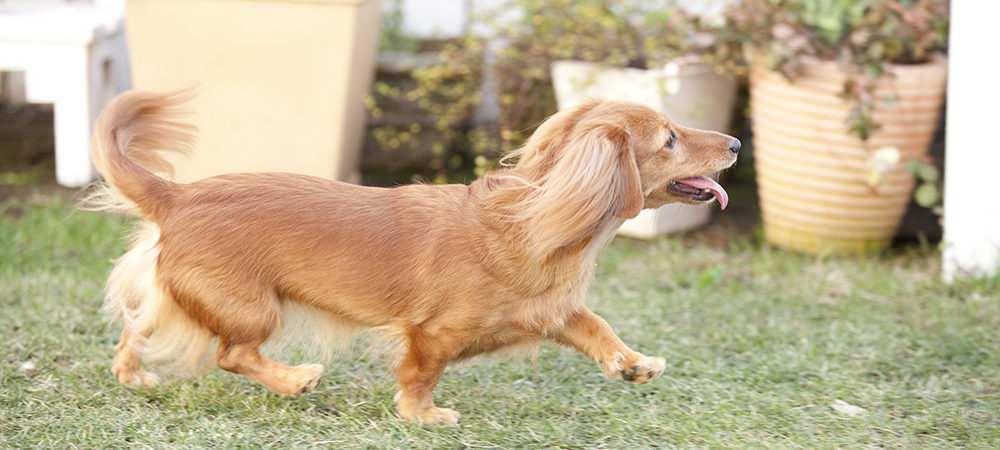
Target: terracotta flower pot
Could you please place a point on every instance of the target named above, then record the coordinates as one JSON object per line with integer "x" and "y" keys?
{"x": 813, "y": 176}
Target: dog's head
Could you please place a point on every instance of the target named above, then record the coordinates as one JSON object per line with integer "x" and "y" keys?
{"x": 606, "y": 144}
{"x": 673, "y": 161}
{"x": 607, "y": 160}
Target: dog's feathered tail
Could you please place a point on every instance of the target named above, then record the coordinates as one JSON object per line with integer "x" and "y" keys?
{"x": 132, "y": 138}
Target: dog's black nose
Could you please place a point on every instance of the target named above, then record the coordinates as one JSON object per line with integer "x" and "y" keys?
{"x": 735, "y": 146}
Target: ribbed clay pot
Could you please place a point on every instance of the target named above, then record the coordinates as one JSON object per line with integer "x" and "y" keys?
{"x": 812, "y": 174}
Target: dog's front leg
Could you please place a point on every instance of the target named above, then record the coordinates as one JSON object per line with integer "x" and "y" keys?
{"x": 592, "y": 336}
{"x": 419, "y": 371}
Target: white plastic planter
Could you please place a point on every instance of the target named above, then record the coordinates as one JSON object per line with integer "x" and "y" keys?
{"x": 689, "y": 94}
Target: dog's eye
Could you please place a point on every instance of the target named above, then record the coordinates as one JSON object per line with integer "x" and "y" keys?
{"x": 671, "y": 140}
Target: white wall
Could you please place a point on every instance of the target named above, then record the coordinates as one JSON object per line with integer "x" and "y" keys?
{"x": 433, "y": 18}
{"x": 972, "y": 163}
{"x": 449, "y": 18}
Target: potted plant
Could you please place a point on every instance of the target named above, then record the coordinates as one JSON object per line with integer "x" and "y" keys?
{"x": 666, "y": 58}
{"x": 843, "y": 93}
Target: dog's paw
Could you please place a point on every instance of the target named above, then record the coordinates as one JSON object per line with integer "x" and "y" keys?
{"x": 130, "y": 373}
{"x": 433, "y": 416}
{"x": 127, "y": 367}
{"x": 426, "y": 416}
{"x": 136, "y": 377}
{"x": 307, "y": 377}
{"x": 643, "y": 369}
{"x": 638, "y": 369}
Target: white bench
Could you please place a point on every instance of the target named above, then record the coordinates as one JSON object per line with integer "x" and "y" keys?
{"x": 74, "y": 56}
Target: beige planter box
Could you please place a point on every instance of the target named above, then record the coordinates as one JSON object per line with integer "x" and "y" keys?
{"x": 813, "y": 176}
{"x": 689, "y": 94}
{"x": 279, "y": 84}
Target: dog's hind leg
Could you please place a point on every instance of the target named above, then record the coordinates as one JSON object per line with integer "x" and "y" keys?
{"x": 245, "y": 359}
{"x": 242, "y": 332}
{"x": 127, "y": 365}
{"x": 134, "y": 299}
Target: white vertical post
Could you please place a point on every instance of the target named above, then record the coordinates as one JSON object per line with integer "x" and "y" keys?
{"x": 972, "y": 164}
{"x": 71, "y": 116}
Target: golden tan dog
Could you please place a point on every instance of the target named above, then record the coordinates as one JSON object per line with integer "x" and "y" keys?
{"x": 451, "y": 271}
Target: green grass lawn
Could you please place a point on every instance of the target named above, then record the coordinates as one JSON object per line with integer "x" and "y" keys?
{"x": 759, "y": 344}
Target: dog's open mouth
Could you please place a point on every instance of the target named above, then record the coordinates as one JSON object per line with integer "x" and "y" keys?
{"x": 700, "y": 189}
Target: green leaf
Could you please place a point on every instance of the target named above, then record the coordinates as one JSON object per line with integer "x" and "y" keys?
{"x": 926, "y": 195}
{"x": 928, "y": 173}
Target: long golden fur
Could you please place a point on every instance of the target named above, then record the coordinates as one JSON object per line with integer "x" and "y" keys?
{"x": 451, "y": 271}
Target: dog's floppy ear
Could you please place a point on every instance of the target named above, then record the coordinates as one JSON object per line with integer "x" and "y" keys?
{"x": 625, "y": 184}
{"x": 588, "y": 177}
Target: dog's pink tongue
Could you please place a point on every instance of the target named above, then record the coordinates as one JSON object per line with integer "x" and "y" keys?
{"x": 709, "y": 184}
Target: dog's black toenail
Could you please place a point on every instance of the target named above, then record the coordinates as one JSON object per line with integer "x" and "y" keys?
{"x": 304, "y": 389}
{"x": 635, "y": 368}
{"x": 627, "y": 376}
{"x": 649, "y": 374}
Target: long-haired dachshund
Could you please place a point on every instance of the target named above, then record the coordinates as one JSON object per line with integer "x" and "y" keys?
{"x": 449, "y": 271}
